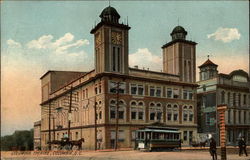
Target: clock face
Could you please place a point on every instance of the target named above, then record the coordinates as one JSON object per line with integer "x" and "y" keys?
{"x": 116, "y": 38}
{"x": 97, "y": 39}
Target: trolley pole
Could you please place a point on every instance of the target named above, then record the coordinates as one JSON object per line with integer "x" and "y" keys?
{"x": 54, "y": 132}
{"x": 49, "y": 127}
{"x": 69, "y": 113}
{"x": 117, "y": 115}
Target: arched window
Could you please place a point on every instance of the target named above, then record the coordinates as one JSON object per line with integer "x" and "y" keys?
{"x": 155, "y": 112}
{"x": 137, "y": 110}
{"x": 228, "y": 98}
{"x": 169, "y": 112}
{"x": 121, "y": 109}
{"x": 175, "y": 113}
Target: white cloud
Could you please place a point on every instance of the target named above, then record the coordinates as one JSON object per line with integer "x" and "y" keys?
{"x": 62, "y": 45}
{"x": 68, "y": 37}
{"x": 13, "y": 43}
{"x": 225, "y": 34}
{"x": 144, "y": 58}
{"x": 43, "y": 42}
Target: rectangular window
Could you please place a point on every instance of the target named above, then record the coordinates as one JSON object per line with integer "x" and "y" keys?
{"x": 140, "y": 90}
{"x": 112, "y": 114}
{"x": 185, "y": 135}
{"x": 133, "y": 115}
{"x": 112, "y": 134}
{"x": 100, "y": 89}
{"x": 176, "y": 93}
{"x": 175, "y": 116}
{"x": 190, "y": 136}
{"x": 158, "y": 91}
{"x": 152, "y": 116}
{"x": 100, "y": 114}
{"x": 169, "y": 93}
{"x": 185, "y": 116}
{"x": 96, "y": 90}
{"x": 244, "y": 99}
{"x": 133, "y": 89}
{"x": 169, "y": 116}
{"x": 121, "y": 114}
{"x": 118, "y": 59}
{"x": 159, "y": 115}
{"x": 140, "y": 115}
{"x": 114, "y": 86}
{"x": 152, "y": 91}
{"x": 190, "y": 95}
{"x": 185, "y": 94}
{"x": 76, "y": 135}
{"x": 114, "y": 59}
{"x": 191, "y": 117}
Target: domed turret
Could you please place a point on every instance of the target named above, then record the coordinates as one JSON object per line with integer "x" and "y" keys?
{"x": 178, "y": 33}
{"x": 109, "y": 14}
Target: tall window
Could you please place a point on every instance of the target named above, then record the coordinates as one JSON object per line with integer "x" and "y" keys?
{"x": 152, "y": 91}
{"x": 244, "y": 99}
{"x": 155, "y": 112}
{"x": 228, "y": 98}
{"x": 185, "y": 94}
{"x": 239, "y": 99}
{"x": 222, "y": 97}
{"x": 116, "y": 56}
{"x": 158, "y": 91}
{"x": 169, "y": 93}
{"x": 121, "y": 109}
{"x": 185, "y": 135}
{"x": 137, "y": 110}
{"x": 190, "y": 95}
{"x": 234, "y": 99}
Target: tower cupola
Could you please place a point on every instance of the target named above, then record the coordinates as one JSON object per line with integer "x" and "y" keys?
{"x": 109, "y": 14}
{"x": 178, "y": 33}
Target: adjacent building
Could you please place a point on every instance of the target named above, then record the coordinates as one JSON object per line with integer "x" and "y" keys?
{"x": 114, "y": 98}
{"x": 229, "y": 89}
{"x": 37, "y": 135}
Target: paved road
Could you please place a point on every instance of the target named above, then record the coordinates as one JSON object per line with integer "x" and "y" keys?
{"x": 125, "y": 155}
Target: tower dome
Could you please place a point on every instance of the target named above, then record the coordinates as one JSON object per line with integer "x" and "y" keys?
{"x": 109, "y": 14}
{"x": 178, "y": 33}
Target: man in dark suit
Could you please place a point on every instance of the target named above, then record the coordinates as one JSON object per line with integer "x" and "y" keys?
{"x": 242, "y": 146}
{"x": 212, "y": 147}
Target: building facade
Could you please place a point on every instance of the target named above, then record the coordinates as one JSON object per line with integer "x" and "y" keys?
{"x": 114, "y": 98}
{"x": 37, "y": 135}
{"x": 230, "y": 89}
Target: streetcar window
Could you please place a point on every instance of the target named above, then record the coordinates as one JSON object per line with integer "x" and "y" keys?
{"x": 142, "y": 135}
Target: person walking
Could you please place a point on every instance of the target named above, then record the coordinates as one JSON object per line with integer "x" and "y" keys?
{"x": 242, "y": 146}
{"x": 212, "y": 147}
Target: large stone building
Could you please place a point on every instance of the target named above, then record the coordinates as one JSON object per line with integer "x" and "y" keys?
{"x": 230, "y": 89}
{"x": 115, "y": 95}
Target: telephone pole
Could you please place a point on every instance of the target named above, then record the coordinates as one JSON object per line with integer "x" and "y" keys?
{"x": 117, "y": 114}
{"x": 69, "y": 113}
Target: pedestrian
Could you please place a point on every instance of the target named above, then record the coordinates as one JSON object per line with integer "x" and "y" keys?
{"x": 242, "y": 146}
{"x": 212, "y": 147}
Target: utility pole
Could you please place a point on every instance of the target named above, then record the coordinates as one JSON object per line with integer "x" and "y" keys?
{"x": 54, "y": 132}
{"x": 49, "y": 126}
{"x": 69, "y": 113}
{"x": 95, "y": 123}
{"x": 117, "y": 115}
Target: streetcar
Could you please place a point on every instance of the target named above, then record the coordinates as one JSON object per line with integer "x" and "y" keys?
{"x": 157, "y": 138}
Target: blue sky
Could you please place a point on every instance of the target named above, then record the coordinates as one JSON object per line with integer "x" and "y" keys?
{"x": 55, "y": 35}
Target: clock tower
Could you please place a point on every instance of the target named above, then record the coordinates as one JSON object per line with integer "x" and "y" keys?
{"x": 111, "y": 43}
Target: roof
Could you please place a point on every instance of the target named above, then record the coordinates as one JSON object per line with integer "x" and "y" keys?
{"x": 50, "y": 71}
{"x": 179, "y": 29}
{"x": 235, "y": 72}
{"x": 208, "y": 63}
{"x": 178, "y": 40}
{"x": 109, "y": 23}
{"x": 109, "y": 11}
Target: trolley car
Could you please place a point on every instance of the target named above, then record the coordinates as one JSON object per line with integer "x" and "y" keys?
{"x": 157, "y": 138}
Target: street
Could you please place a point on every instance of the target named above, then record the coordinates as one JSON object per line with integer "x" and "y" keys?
{"x": 118, "y": 155}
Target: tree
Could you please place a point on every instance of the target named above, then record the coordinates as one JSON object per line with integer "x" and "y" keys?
{"x": 19, "y": 140}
